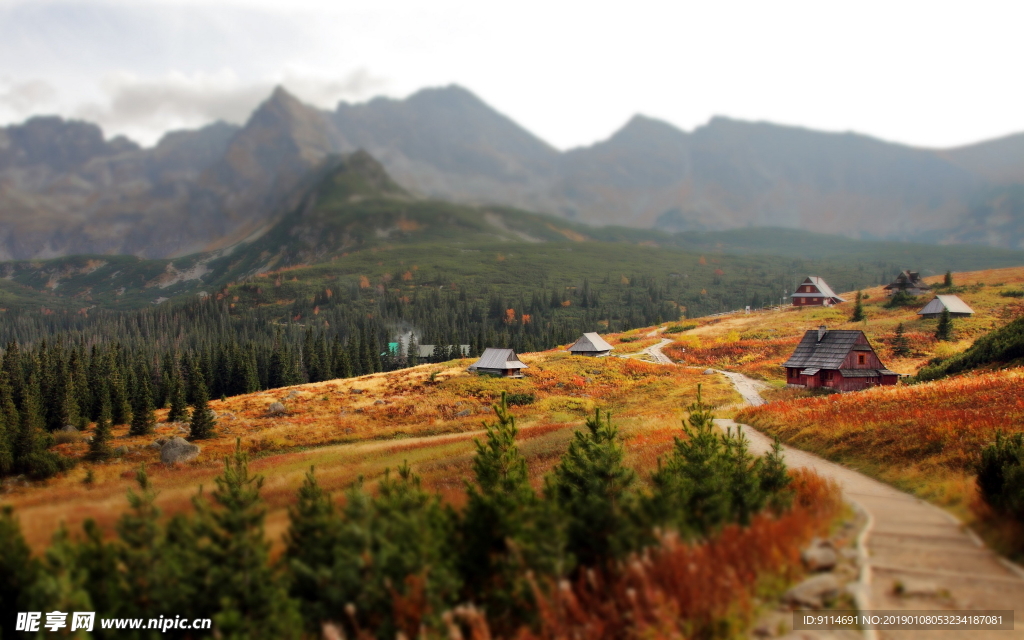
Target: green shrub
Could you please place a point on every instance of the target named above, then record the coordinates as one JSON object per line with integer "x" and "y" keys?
{"x": 901, "y": 299}
{"x": 519, "y": 399}
{"x": 1001, "y": 475}
{"x": 679, "y": 328}
{"x": 1012, "y": 293}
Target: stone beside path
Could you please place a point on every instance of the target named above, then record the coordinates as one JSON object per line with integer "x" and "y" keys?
{"x": 916, "y": 555}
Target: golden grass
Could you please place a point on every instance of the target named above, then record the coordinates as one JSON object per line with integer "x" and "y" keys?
{"x": 397, "y": 416}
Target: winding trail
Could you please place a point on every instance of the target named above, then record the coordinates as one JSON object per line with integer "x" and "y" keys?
{"x": 940, "y": 563}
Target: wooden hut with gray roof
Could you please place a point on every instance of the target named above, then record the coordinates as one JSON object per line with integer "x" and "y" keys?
{"x": 590, "y": 344}
{"x": 841, "y": 360}
{"x": 957, "y": 308}
{"x": 499, "y": 362}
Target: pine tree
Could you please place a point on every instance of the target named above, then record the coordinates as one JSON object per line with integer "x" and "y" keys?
{"x": 143, "y": 417}
{"x": 900, "y": 343}
{"x": 140, "y": 533}
{"x": 944, "y": 330}
{"x": 858, "y": 309}
{"x": 202, "y": 418}
{"x": 251, "y": 599}
{"x": 99, "y": 447}
{"x": 412, "y": 357}
{"x": 593, "y": 489}
{"x": 310, "y": 543}
{"x": 506, "y": 529}
{"x": 947, "y": 281}
{"x": 19, "y": 573}
{"x": 9, "y": 423}
{"x": 177, "y": 396}
{"x": 120, "y": 407}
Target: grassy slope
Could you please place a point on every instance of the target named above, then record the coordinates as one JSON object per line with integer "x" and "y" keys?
{"x": 399, "y": 416}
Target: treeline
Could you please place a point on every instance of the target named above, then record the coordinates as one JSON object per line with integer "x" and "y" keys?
{"x": 396, "y": 560}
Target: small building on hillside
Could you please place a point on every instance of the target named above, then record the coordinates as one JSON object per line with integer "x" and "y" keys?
{"x": 590, "y": 344}
{"x": 499, "y": 362}
{"x": 909, "y": 282}
{"x": 841, "y": 360}
{"x": 957, "y": 307}
{"x": 814, "y": 291}
{"x": 425, "y": 351}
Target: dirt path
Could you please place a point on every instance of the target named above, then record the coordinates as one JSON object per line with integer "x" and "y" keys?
{"x": 940, "y": 564}
{"x": 655, "y": 353}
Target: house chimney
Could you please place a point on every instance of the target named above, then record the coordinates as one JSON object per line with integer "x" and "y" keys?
{"x": 821, "y": 332}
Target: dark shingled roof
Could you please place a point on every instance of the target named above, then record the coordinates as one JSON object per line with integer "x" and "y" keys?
{"x": 866, "y": 373}
{"x": 827, "y": 354}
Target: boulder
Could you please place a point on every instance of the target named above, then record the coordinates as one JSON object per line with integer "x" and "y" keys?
{"x": 379, "y": 402}
{"x": 178, "y": 450}
{"x": 813, "y": 591}
{"x": 120, "y": 451}
{"x": 709, "y": 372}
{"x": 357, "y": 391}
{"x": 277, "y": 409}
{"x": 819, "y": 556}
{"x": 68, "y": 428}
{"x": 912, "y": 588}
{"x": 463, "y": 413}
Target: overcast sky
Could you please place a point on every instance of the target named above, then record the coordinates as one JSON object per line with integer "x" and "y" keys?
{"x": 925, "y": 73}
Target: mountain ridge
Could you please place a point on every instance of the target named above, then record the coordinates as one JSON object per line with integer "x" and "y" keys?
{"x": 66, "y": 190}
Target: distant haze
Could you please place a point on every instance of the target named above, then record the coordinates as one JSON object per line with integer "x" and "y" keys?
{"x": 921, "y": 73}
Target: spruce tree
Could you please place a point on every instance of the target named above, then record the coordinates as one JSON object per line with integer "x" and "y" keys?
{"x": 99, "y": 446}
{"x": 143, "y": 417}
{"x": 947, "y": 281}
{"x": 412, "y": 357}
{"x": 140, "y": 533}
{"x": 9, "y": 423}
{"x": 858, "y": 309}
{"x": 19, "y": 573}
{"x": 310, "y": 543}
{"x": 944, "y": 330}
{"x": 177, "y": 397}
{"x": 203, "y": 422}
{"x": 120, "y": 407}
{"x": 900, "y": 343}
{"x": 506, "y": 529}
{"x": 594, "y": 490}
{"x": 251, "y": 600}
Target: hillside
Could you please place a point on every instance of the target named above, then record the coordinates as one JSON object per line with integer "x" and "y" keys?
{"x": 68, "y": 191}
{"x": 351, "y": 225}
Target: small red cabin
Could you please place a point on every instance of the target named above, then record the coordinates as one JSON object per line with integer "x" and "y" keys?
{"x": 814, "y": 291}
{"x": 841, "y": 360}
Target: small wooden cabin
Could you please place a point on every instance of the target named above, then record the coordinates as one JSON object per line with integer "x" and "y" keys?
{"x": 590, "y": 344}
{"x": 499, "y": 362}
{"x": 814, "y": 291}
{"x": 841, "y": 360}
{"x": 909, "y": 282}
{"x": 957, "y": 308}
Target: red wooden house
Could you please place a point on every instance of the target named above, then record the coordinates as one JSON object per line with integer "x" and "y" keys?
{"x": 841, "y": 360}
{"x": 814, "y": 291}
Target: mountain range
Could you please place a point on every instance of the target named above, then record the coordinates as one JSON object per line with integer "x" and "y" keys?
{"x": 65, "y": 189}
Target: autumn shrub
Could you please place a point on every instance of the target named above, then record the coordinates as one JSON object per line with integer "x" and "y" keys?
{"x": 519, "y": 399}
{"x": 679, "y": 328}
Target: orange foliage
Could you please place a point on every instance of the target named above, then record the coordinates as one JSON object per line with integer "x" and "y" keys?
{"x": 679, "y": 589}
{"x": 510, "y": 316}
{"x": 364, "y": 282}
{"x": 407, "y": 276}
{"x": 943, "y": 424}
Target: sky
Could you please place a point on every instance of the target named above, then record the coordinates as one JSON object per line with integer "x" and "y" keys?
{"x": 930, "y": 74}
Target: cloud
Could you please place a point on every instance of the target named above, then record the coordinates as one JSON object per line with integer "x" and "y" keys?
{"x": 26, "y": 97}
{"x": 144, "y": 108}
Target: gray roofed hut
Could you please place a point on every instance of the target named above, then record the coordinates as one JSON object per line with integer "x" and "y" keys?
{"x": 841, "y": 360}
{"x": 814, "y": 291}
{"x": 590, "y": 344}
{"x": 957, "y": 307}
{"x": 499, "y": 362}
